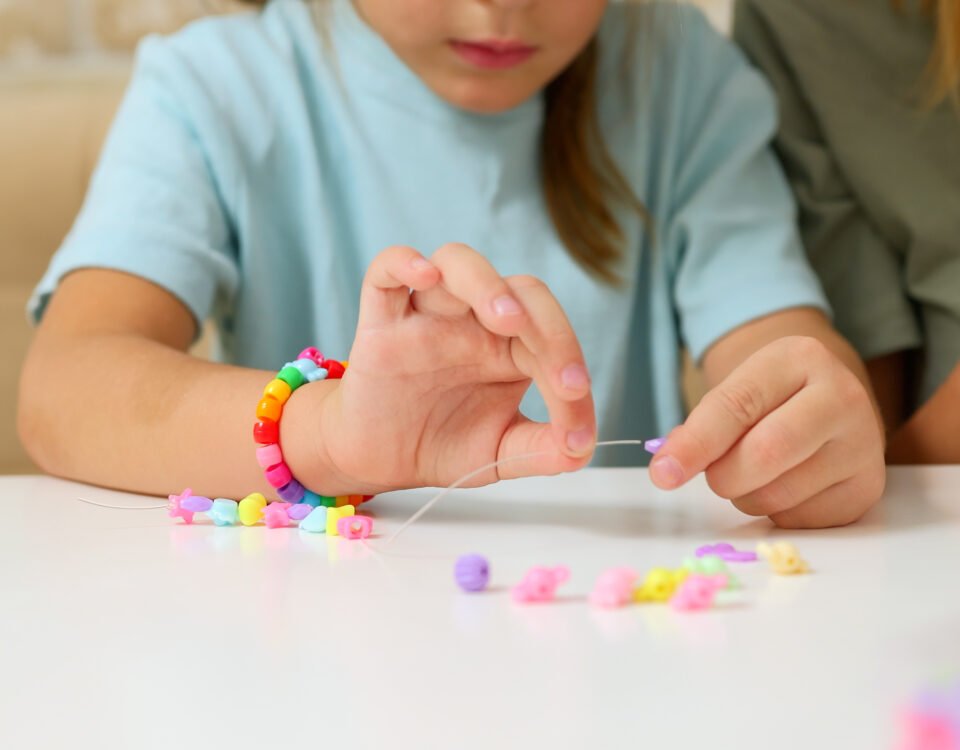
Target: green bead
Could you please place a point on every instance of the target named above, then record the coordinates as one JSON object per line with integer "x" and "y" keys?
{"x": 328, "y": 502}
{"x": 292, "y": 377}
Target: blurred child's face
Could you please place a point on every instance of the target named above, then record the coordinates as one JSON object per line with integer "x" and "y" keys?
{"x": 485, "y": 55}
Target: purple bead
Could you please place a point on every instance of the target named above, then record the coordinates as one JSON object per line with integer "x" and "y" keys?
{"x": 197, "y": 504}
{"x": 472, "y": 572}
{"x": 654, "y": 445}
{"x": 291, "y": 492}
{"x": 299, "y": 511}
{"x": 726, "y": 552}
{"x": 719, "y": 549}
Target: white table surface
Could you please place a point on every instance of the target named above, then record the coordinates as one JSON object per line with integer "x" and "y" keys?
{"x": 123, "y": 629}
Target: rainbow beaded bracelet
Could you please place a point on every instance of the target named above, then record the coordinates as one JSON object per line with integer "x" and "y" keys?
{"x": 309, "y": 367}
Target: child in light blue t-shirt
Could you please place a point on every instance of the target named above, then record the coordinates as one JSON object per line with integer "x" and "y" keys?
{"x": 463, "y": 198}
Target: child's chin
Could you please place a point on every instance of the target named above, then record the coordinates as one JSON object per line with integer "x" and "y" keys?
{"x": 485, "y": 98}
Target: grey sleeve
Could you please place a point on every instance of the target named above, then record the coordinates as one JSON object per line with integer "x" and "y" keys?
{"x": 860, "y": 272}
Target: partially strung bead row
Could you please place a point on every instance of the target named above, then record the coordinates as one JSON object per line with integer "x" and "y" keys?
{"x": 329, "y": 515}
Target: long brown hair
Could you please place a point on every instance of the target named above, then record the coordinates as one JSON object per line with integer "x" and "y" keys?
{"x": 581, "y": 183}
{"x": 943, "y": 69}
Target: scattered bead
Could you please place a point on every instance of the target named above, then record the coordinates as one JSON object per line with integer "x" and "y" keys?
{"x": 726, "y": 552}
{"x": 334, "y": 515}
{"x": 697, "y": 592}
{"x": 355, "y": 527}
{"x": 299, "y": 511}
{"x": 471, "y": 572}
{"x": 783, "y": 557}
{"x": 176, "y": 509}
{"x": 251, "y": 509}
{"x": 275, "y": 515}
{"x": 224, "y": 512}
{"x": 660, "y": 584}
{"x": 614, "y": 588}
{"x": 540, "y": 584}
{"x": 711, "y": 565}
{"x": 316, "y": 522}
{"x": 196, "y": 504}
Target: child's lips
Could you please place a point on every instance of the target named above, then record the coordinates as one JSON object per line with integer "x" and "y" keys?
{"x": 493, "y": 54}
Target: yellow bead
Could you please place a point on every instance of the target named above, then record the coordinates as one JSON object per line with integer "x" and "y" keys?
{"x": 659, "y": 585}
{"x": 783, "y": 557}
{"x": 269, "y": 408}
{"x": 251, "y": 509}
{"x": 335, "y": 514}
{"x": 278, "y": 390}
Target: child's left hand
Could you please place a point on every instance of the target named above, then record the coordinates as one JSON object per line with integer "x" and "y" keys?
{"x": 791, "y": 434}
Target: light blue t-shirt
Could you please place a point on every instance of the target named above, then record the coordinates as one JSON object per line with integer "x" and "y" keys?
{"x": 255, "y": 170}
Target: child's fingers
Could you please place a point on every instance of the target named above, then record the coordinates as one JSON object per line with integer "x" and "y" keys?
{"x": 839, "y": 505}
{"x": 784, "y": 439}
{"x": 525, "y": 437}
{"x": 548, "y": 335}
{"x": 469, "y": 277}
{"x": 762, "y": 383}
{"x": 827, "y": 467}
{"x": 573, "y": 421}
{"x": 385, "y": 294}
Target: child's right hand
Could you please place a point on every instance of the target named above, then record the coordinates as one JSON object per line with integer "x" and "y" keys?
{"x": 445, "y": 349}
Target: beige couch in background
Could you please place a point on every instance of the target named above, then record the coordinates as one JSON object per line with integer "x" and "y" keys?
{"x": 51, "y": 129}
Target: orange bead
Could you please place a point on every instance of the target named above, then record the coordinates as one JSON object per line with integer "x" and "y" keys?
{"x": 269, "y": 408}
{"x": 343, "y": 500}
{"x": 279, "y": 390}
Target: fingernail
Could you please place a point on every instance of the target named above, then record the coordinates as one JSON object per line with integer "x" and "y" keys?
{"x": 666, "y": 472}
{"x": 575, "y": 377}
{"x": 419, "y": 263}
{"x": 506, "y": 305}
{"x": 580, "y": 441}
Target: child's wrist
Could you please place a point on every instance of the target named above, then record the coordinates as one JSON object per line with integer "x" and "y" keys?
{"x": 301, "y": 434}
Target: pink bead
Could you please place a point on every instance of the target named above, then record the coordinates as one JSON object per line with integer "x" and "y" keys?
{"x": 540, "y": 584}
{"x": 275, "y": 515}
{"x": 311, "y": 352}
{"x": 279, "y": 475}
{"x": 614, "y": 588}
{"x": 355, "y": 527}
{"x": 176, "y": 509}
{"x": 698, "y": 592}
{"x": 269, "y": 455}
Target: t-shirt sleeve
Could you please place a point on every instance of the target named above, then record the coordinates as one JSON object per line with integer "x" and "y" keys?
{"x": 860, "y": 272}
{"x": 731, "y": 238}
{"x": 153, "y": 208}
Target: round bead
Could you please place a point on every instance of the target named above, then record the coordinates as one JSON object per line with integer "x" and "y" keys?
{"x": 472, "y": 572}
{"x": 266, "y": 431}
{"x": 269, "y": 408}
{"x": 269, "y": 455}
{"x": 291, "y": 376}
{"x": 279, "y": 390}
{"x": 311, "y": 353}
{"x": 292, "y": 492}
{"x": 279, "y": 475}
{"x": 334, "y": 369}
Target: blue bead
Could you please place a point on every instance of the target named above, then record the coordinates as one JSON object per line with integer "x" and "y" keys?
{"x": 310, "y": 498}
{"x": 316, "y": 522}
{"x": 224, "y": 512}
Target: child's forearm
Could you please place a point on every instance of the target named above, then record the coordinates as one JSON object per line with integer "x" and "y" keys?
{"x": 931, "y": 436}
{"x": 123, "y": 411}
